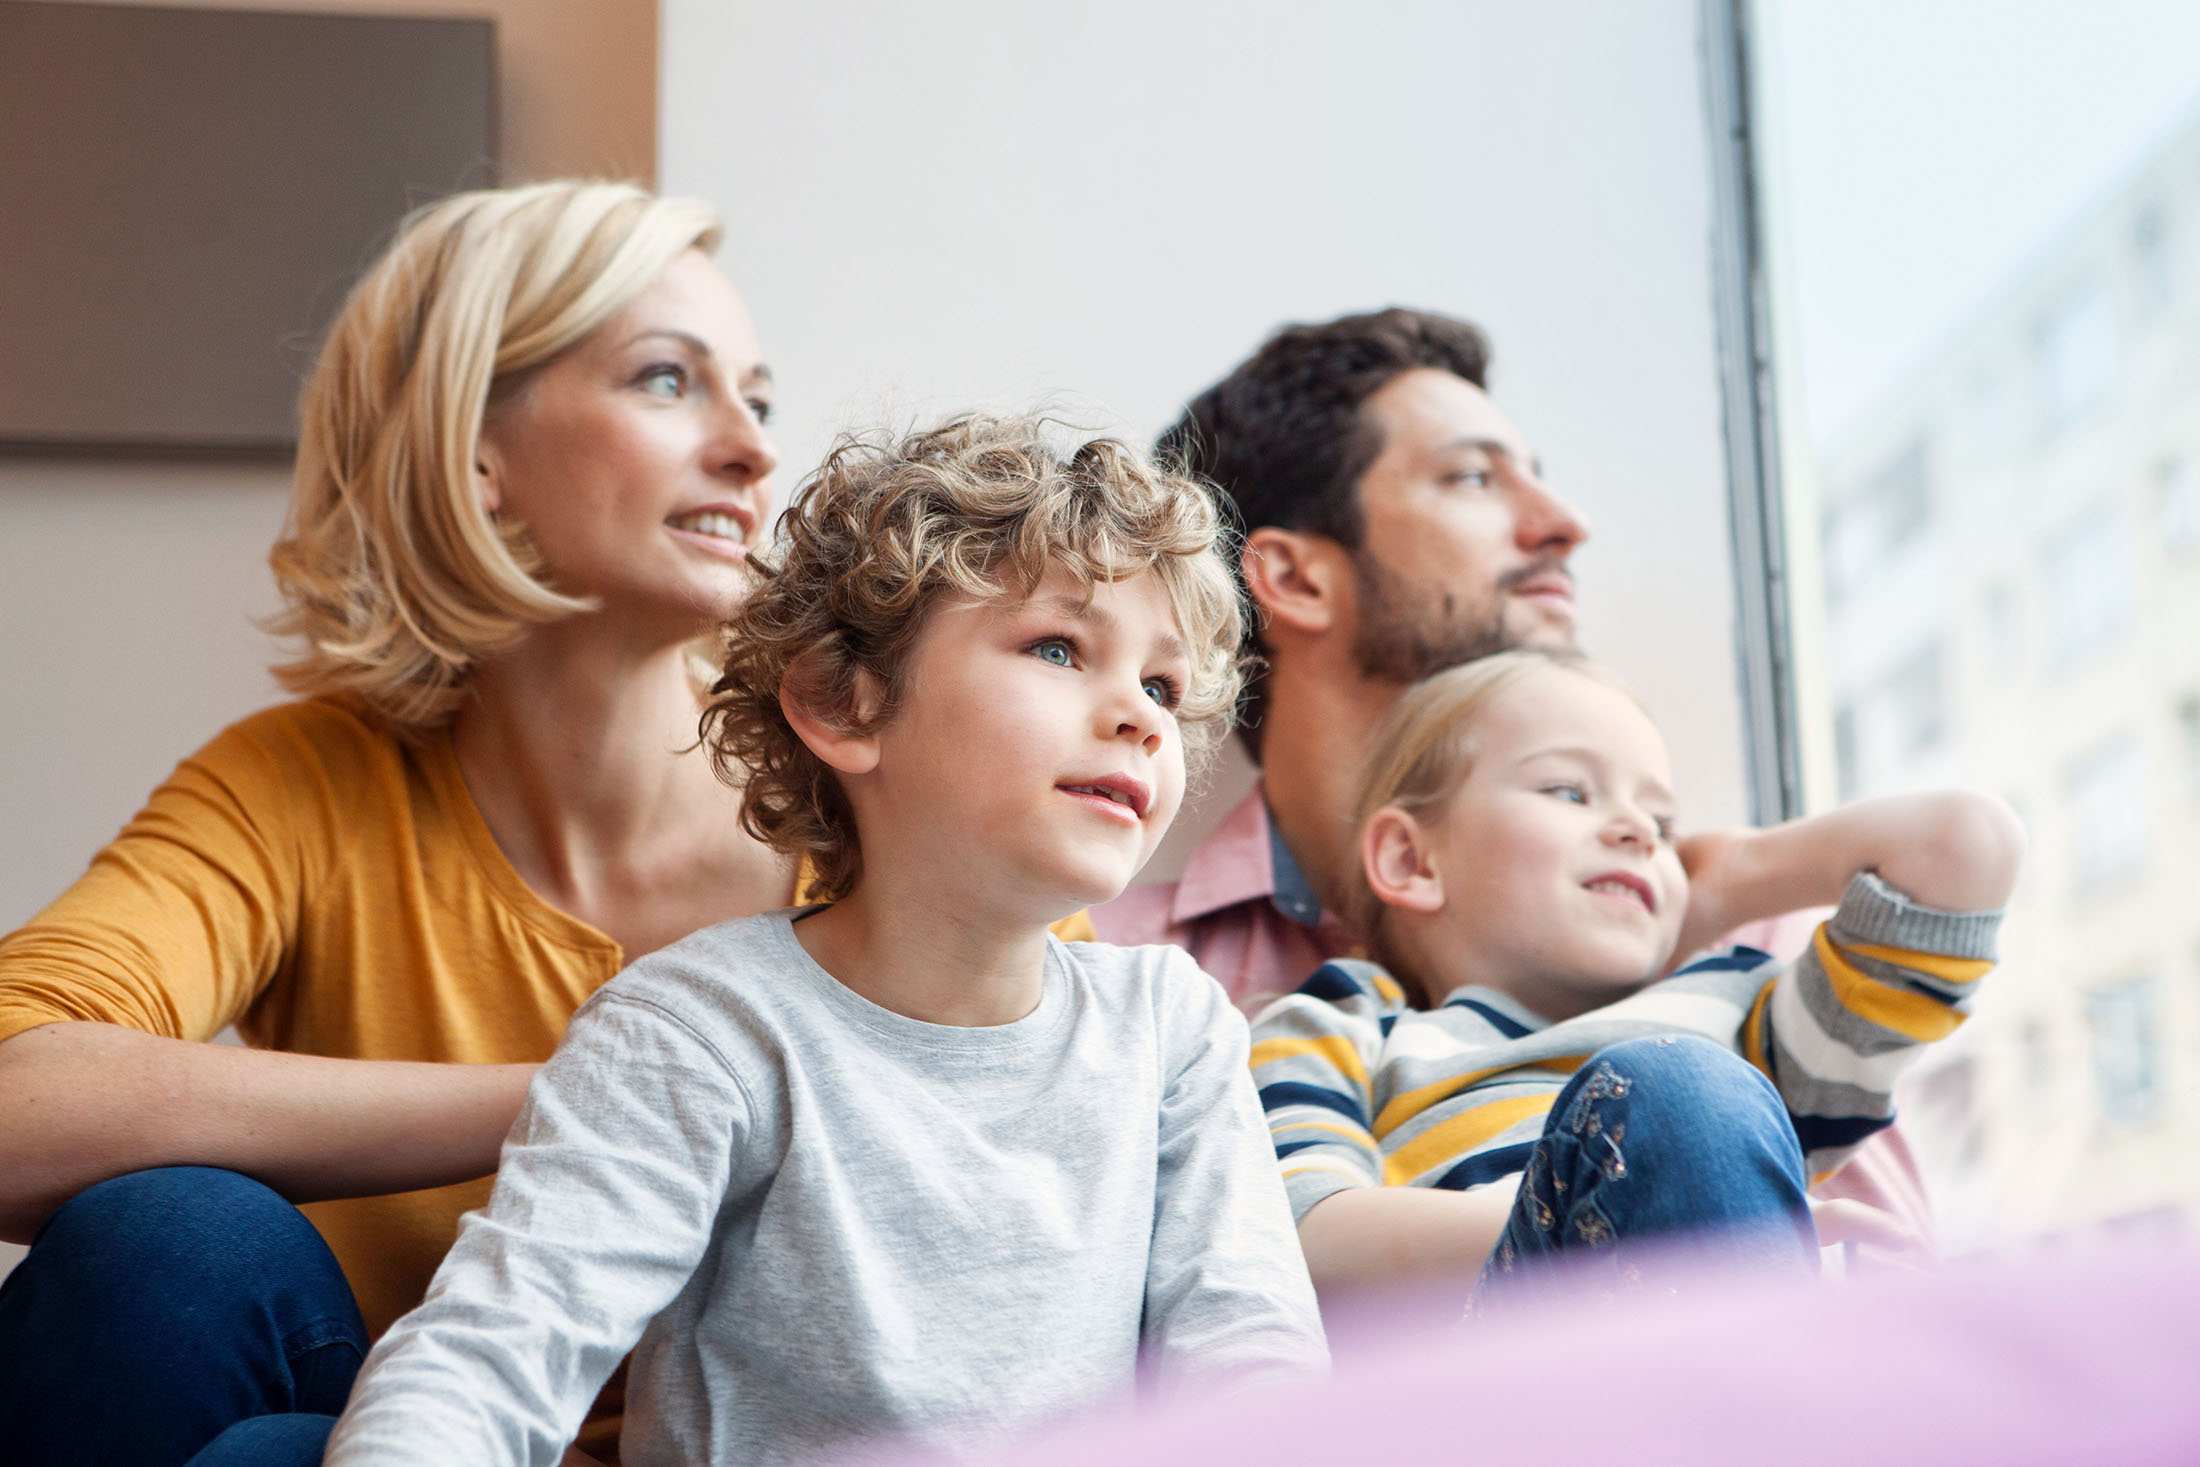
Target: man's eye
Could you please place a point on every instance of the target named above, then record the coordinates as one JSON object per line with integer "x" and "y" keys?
{"x": 1473, "y": 478}
{"x": 1056, "y": 651}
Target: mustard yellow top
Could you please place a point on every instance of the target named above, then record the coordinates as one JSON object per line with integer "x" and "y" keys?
{"x": 330, "y": 890}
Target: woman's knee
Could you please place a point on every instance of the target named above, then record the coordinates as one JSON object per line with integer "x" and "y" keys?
{"x": 186, "y": 1221}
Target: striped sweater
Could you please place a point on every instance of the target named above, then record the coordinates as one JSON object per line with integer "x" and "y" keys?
{"x": 1363, "y": 1091}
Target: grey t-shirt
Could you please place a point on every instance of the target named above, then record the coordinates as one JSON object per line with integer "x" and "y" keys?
{"x": 826, "y": 1222}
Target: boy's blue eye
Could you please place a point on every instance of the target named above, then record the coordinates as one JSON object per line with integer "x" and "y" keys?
{"x": 1573, "y": 793}
{"x": 1054, "y": 650}
{"x": 1163, "y": 691}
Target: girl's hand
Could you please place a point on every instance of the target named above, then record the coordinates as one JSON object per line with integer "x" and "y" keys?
{"x": 1714, "y": 861}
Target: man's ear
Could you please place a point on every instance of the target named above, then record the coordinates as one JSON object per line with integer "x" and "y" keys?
{"x": 1399, "y": 861}
{"x": 832, "y": 727}
{"x": 1295, "y": 576}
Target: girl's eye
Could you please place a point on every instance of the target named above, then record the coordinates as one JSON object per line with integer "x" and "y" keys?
{"x": 666, "y": 379}
{"x": 1056, "y": 651}
{"x": 1665, "y": 828}
{"x": 1163, "y": 690}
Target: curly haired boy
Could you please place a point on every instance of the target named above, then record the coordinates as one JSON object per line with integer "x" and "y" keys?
{"x": 904, "y": 1164}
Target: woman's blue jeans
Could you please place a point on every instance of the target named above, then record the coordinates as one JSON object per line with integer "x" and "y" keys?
{"x": 172, "y": 1316}
{"x": 1656, "y": 1143}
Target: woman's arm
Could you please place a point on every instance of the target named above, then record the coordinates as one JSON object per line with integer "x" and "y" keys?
{"x": 1951, "y": 850}
{"x": 82, "y": 1102}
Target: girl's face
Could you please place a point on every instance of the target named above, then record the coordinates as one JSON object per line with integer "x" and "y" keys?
{"x": 638, "y": 461}
{"x": 1559, "y": 883}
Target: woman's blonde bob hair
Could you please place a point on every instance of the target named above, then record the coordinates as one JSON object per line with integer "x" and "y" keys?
{"x": 393, "y": 575}
{"x": 1422, "y": 753}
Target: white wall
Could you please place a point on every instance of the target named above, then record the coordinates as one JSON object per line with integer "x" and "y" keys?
{"x": 992, "y": 201}
{"x": 126, "y": 588}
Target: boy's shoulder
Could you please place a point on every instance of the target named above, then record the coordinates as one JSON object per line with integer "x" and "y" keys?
{"x": 1343, "y": 992}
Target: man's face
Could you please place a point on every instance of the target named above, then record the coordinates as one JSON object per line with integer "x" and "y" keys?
{"x": 1464, "y": 552}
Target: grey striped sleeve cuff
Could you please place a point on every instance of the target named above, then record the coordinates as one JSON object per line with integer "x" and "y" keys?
{"x": 1874, "y": 913}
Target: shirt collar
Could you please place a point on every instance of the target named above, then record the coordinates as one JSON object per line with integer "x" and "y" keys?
{"x": 1244, "y": 860}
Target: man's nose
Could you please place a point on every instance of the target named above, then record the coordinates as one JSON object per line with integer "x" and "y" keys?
{"x": 1543, "y": 523}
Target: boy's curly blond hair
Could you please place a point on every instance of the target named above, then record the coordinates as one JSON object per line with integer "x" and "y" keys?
{"x": 888, "y": 528}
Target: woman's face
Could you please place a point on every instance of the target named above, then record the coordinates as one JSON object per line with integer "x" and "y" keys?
{"x": 637, "y": 462}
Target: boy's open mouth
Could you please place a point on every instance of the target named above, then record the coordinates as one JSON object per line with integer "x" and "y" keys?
{"x": 1116, "y": 789}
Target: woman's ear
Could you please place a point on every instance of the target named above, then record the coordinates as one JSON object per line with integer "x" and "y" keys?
{"x": 488, "y": 476}
{"x": 1399, "y": 861}
{"x": 1294, "y": 577}
{"x": 832, "y": 727}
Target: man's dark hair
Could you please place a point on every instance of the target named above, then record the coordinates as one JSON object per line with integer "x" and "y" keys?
{"x": 1283, "y": 436}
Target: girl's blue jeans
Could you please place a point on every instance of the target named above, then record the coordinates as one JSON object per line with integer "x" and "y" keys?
{"x": 184, "y": 1315}
{"x": 1652, "y": 1142}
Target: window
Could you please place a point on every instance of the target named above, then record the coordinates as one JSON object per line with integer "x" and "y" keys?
{"x": 2106, "y": 798}
{"x": 2150, "y": 256}
{"x": 1861, "y": 530}
{"x": 2004, "y": 631}
{"x": 2127, "y": 1061}
{"x": 2089, "y": 585}
{"x": 2188, "y": 741}
{"x": 2075, "y": 347}
{"x": 2176, "y": 507}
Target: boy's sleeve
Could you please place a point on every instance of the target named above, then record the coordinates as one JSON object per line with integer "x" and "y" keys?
{"x": 1227, "y": 1293}
{"x": 606, "y": 1196}
{"x": 1881, "y": 977}
{"x": 1312, "y": 1054}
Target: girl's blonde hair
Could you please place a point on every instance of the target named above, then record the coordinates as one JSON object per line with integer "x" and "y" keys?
{"x": 889, "y": 529}
{"x": 392, "y": 574}
{"x": 1422, "y": 753}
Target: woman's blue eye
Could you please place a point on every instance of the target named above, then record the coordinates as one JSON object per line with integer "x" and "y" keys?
{"x": 1054, "y": 651}
{"x": 663, "y": 381}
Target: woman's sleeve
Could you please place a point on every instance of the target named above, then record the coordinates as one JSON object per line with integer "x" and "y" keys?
{"x": 605, "y": 1201}
{"x": 183, "y": 917}
{"x": 1228, "y": 1299}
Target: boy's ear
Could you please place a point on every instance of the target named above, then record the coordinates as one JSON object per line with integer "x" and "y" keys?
{"x": 1399, "y": 861}
{"x": 830, "y": 731}
{"x": 1295, "y": 576}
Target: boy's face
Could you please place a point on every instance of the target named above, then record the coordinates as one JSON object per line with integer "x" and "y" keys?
{"x": 1035, "y": 757}
{"x": 1561, "y": 884}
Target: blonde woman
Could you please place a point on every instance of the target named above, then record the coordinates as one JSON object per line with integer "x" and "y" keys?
{"x": 531, "y": 462}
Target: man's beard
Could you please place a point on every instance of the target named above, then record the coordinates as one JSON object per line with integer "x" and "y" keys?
{"x": 1398, "y": 641}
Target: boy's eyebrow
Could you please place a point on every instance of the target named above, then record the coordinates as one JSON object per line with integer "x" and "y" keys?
{"x": 1077, "y": 608}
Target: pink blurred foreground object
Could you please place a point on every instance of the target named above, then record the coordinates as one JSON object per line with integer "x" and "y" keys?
{"x": 2055, "y": 1359}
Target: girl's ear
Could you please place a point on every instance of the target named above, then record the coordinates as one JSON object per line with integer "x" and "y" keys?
{"x": 832, "y": 727}
{"x": 1293, "y": 576}
{"x": 1399, "y": 861}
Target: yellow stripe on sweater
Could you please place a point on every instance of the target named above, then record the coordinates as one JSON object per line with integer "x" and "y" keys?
{"x": 1753, "y": 1030}
{"x": 1912, "y": 1015}
{"x": 1403, "y": 1108}
{"x": 1335, "y": 1048}
{"x": 1947, "y": 970}
{"x": 1452, "y": 1139}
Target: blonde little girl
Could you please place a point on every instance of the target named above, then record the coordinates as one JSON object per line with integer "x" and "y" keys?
{"x": 1511, "y": 1079}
